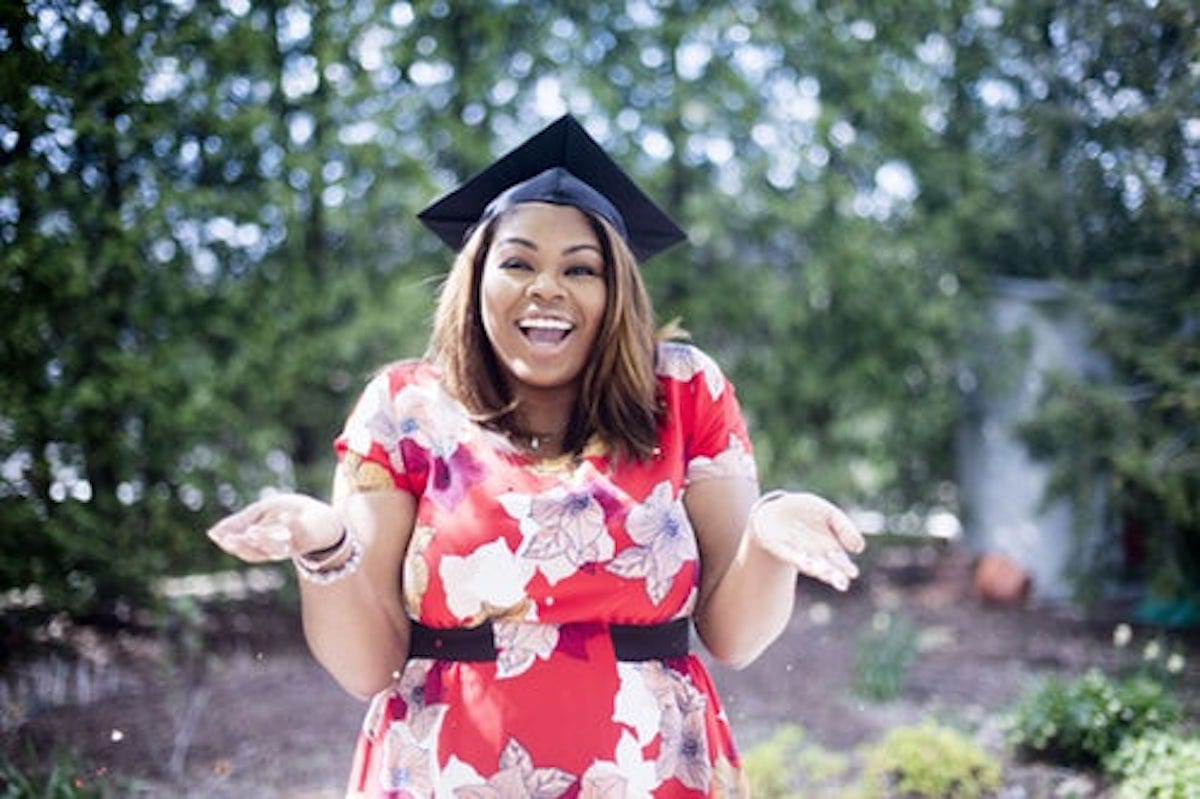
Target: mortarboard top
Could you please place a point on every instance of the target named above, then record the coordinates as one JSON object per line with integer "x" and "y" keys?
{"x": 563, "y": 165}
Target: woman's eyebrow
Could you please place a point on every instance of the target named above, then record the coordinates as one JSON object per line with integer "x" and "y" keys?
{"x": 524, "y": 242}
{"x": 578, "y": 247}
{"x": 574, "y": 248}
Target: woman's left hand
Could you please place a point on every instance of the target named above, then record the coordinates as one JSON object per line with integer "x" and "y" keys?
{"x": 810, "y": 533}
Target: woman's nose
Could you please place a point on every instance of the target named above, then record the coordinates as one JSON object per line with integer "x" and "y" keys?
{"x": 545, "y": 284}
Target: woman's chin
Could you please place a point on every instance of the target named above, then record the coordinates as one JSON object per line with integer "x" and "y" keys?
{"x": 543, "y": 378}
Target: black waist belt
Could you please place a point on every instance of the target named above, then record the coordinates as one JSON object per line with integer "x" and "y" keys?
{"x": 631, "y": 642}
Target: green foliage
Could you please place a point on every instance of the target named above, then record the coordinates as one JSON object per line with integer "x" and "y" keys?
{"x": 58, "y": 777}
{"x": 1157, "y": 765}
{"x": 1076, "y": 428}
{"x": 1081, "y": 722}
{"x": 786, "y": 765}
{"x": 173, "y": 286}
{"x": 1159, "y": 658}
{"x": 207, "y": 238}
{"x": 929, "y": 761}
{"x": 1128, "y": 242}
{"x": 885, "y": 653}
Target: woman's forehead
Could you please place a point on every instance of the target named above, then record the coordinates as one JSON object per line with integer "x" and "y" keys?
{"x": 536, "y": 222}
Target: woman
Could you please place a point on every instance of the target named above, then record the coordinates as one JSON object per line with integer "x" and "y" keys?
{"x": 525, "y": 522}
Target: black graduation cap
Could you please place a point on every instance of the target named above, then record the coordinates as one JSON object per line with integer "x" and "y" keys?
{"x": 563, "y": 165}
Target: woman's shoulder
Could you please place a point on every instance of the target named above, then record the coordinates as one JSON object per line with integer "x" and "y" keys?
{"x": 684, "y": 362}
{"x": 407, "y": 372}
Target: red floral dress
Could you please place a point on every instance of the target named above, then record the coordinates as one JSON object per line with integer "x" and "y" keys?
{"x": 550, "y": 552}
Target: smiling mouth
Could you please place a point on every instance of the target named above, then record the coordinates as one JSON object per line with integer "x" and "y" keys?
{"x": 545, "y": 331}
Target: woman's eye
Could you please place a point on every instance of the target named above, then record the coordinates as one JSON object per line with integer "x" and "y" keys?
{"x": 583, "y": 271}
{"x": 514, "y": 263}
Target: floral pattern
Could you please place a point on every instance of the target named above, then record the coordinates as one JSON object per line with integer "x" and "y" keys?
{"x": 492, "y": 577}
{"x": 664, "y": 543}
{"x": 408, "y": 765}
{"x": 628, "y": 775}
{"x": 519, "y": 644}
{"x": 416, "y": 570}
{"x": 518, "y": 778}
{"x": 550, "y": 552}
{"x": 684, "y": 363}
{"x": 684, "y": 748}
{"x": 563, "y": 530}
{"x": 735, "y": 461}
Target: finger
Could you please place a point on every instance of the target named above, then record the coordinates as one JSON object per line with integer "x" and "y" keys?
{"x": 253, "y": 551}
{"x": 264, "y": 539}
{"x": 226, "y": 533}
{"x": 841, "y": 561}
{"x": 270, "y": 537}
{"x": 830, "y": 568}
{"x": 846, "y": 531}
{"x": 275, "y": 540}
{"x": 272, "y": 510}
{"x": 822, "y": 569}
{"x": 226, "y": 528}
{"x": 236, "y": 524}
{"x": 251, "y": 555}
{"x": 238, "y": 546}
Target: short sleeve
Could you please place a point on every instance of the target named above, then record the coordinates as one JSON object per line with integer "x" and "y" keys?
{"x": 716, "y": 441}
{"x": 373, "y": 437}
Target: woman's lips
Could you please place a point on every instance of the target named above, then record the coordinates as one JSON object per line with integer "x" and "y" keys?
{"x": 545, "y": 331}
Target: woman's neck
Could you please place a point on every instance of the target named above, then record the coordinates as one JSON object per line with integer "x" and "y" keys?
{"x": 543, "y": 418}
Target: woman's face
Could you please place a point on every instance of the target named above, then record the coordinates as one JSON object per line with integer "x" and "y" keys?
{"x": 543, "y": 295}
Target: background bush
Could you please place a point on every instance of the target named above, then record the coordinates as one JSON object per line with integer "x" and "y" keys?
{"x": 1083, "y": 721}
{"x": 58, "y": 775}
{"x": 1157, "y": 765}
{"x": 787, "y": 764}
{"x": 929, "y": 761}
{"x": 883, "y": 656}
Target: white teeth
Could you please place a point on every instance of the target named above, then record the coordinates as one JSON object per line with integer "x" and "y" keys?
{"x": 544, "y": 324}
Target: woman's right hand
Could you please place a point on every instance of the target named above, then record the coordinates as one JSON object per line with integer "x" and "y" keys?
{"x": 278, "y": 527}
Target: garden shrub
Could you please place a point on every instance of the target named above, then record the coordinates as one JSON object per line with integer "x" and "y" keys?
{"x": 59, "y": 776}
{"x": 785, "y": 766}
{"x": 1082, "y": 721}
{"x": 928, "y": 761}
{"x": 885, "y": 653}
{"x": 1157, "y": 765}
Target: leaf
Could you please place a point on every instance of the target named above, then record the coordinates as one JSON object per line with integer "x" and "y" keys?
{"x": 477, "y": 792}
{"x": 549, "y": 783}
{"x": 427, "y": 722}
{"x": 609, "y": 786}
{"x": 657, "y": 587}
{"x": 543, "y": 545}
{"x": 633, "y": 563}
{"x": 516, "y": 756}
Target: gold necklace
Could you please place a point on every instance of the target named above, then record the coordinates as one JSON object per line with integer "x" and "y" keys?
{"x": 535, "y": 440}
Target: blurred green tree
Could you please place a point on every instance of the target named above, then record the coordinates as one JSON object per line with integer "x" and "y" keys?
{"x": 206, "y": 213}
{"x": 1100, "y": 145}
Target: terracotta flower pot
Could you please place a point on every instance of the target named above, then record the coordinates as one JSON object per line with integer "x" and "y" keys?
{"x": 1001, "y": 580}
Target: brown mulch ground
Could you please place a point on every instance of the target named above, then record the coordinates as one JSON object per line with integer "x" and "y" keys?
{"x": 256, "y": 717}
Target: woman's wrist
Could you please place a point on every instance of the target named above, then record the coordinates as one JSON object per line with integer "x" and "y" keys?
{"x": 756, "y": 508}
{"x": 758, "y": 528}
{"x": 316, "y": 557}
{"x": 332, "y": 563}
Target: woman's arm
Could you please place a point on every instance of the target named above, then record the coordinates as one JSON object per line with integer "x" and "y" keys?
{"x": 355, "y": 626}
{"x": 751, "y": 552}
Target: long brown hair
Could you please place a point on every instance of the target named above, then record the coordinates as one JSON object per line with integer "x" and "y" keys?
{"x": 618, "y": 397}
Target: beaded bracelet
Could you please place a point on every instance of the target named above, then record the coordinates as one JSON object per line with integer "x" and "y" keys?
{"x": 318, "y": 573}
{"x": 318, "y": 559}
